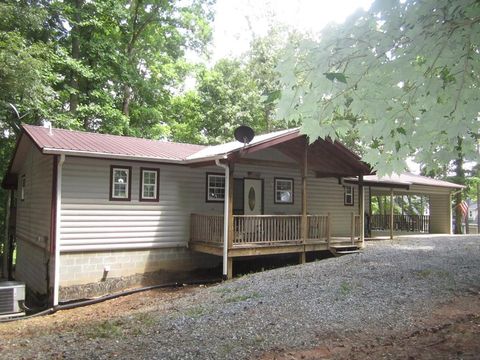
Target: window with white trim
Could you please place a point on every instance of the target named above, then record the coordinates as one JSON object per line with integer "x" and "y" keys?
{"x": 120, "y": 183}
{"x": 149, "y": 184}
{"x": 23, "y": 183}
{"x": 348, "y": 195}
{"x": 283, "y": 191}
{"x": 215, "y": 187}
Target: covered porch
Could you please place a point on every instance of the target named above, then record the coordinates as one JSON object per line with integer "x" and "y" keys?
{"x": 407, "y": 204}
{"x": 262, "y": 215}
{"x": 270, "y": 234}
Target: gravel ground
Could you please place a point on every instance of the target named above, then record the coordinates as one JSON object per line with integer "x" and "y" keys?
{"x": 388, "y": 288}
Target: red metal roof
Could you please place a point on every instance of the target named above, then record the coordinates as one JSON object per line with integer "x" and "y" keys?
{"x": 405, "y": 179}
{"x": 108, "y": 145}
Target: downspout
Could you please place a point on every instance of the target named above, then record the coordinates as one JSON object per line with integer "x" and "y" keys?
{"x": 225, "y": 217}
{"x": 58, "y": 206}
{"x": 6, "y": 245}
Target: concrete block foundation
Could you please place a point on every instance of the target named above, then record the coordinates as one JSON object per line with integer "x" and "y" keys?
{"x": 88, "y": 274}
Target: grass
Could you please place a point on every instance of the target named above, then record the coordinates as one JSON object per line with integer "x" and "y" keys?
{"x": 424, "y": 273}
{"x": 345, "y": 288}
{"x": 242, "y": 297}
{"x": 105, "y": 330}
{"x": 145, "y": 319}
{"x": 196, "y": 312}
{"x": 227, "y": 290}
{"x": 440, "y": 274}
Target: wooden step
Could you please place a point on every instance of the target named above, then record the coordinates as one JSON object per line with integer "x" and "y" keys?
{"x": 338, "y": 250}
{"x": 343, "y": 246}
{"x": 345, "y": 252}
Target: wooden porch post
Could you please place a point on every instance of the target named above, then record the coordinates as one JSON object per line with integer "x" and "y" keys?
{"x": 303, "y": 225}
{"x": 391, "y": 213}
{"x": 231, "y": 232}
{"x": 361, "y": 205}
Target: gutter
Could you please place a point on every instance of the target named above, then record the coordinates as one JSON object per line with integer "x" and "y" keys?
{"x": 58, "y": 209}
{"x": 97, "y": 155}
{"x": 225, "y": 217}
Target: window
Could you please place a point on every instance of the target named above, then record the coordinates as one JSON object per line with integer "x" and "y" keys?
{"x": 283, "y": 191}
{"x": 215, "y": 187}
{"x": 348, "y": 195}
{"x": 120, "y": 182}
{"x": 149, "y": 184}
{"x": 22, "y": 188}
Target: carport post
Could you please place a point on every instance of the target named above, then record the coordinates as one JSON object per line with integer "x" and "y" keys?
{"x": 304, "y": 219}
{"x": 361, "y": 203}
{"x": 391, "y": 213}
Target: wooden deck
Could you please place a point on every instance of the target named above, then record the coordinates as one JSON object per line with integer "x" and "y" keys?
{"x": 256, "y": 235}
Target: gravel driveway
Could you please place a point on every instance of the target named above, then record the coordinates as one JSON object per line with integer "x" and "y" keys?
{"x": 390, "y": 287}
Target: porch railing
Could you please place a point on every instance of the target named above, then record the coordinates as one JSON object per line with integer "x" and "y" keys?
{"x": 206, "y": 228}
{"x": 259, "y": 229}
{"x": 318, "y": 227}
{"x": 355, "y": 231}
{"x": 411, "y": 223}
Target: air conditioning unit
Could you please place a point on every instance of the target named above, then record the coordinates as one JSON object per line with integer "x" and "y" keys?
{"x": 12, "y": 297}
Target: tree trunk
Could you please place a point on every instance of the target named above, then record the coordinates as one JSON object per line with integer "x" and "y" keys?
{"x": 74, "y": 98}
{"x": 380, "y": 204}
{"x": 126, "y": 100}
{"x": 460, "y": 177}
{"x": 478, "y": 208}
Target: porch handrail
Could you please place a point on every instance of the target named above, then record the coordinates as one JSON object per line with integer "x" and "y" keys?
{"x": 206, "y": 228}
{"x": 266, "y": 229}
{"x": 411, "y": 223}
{"x": 260, "y": 229}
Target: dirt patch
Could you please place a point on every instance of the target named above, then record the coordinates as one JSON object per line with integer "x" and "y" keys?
{"x": 159, "y": 300}
{"x": 453, "y": 331}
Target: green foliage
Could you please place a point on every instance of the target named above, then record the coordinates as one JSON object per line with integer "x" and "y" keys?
{"x": 110, "y": 66}
{"x": 105, "y": 330}
{"x": 409, "y": 71}
{"x": 233, "y": 92}
{"x": 472, "y": 186}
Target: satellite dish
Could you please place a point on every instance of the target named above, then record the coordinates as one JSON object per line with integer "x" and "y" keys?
{"x": 244, "y": 134}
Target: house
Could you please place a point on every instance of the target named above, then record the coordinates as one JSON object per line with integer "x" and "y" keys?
{"x": 90, "y": 211}
{"x": 472, "y": 217}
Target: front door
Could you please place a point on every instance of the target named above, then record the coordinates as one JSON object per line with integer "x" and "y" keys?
{"x": 253, "y": 196}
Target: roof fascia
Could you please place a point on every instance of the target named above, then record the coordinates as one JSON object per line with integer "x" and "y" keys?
{"x": 89, "y": 154}
{"x": 4, "y": 183}
{"x": 265, "y": 144}
{"x": 380, "y": 184}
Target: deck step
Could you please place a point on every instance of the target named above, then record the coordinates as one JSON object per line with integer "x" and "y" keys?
{"x": 343, "y": 246}
{"x": 338, "y": 250}
{"x": 345, "y": 252}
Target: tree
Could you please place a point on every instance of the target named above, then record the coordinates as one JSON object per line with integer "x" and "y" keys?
{"x": 408, "y": 70}
{"x": 109, "y": 66}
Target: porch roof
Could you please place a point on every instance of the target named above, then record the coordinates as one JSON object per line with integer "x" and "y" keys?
{"x": 404, "y": 181}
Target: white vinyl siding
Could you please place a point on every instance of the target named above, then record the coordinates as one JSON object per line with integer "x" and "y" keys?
{"x": 33, "y": 220}
{"x": 91, "y": 222}
{"x": 440, "y": 220}
{"x": 326, "y": 195}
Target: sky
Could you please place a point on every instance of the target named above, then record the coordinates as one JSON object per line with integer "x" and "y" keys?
{"x": 237, "y": 20}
